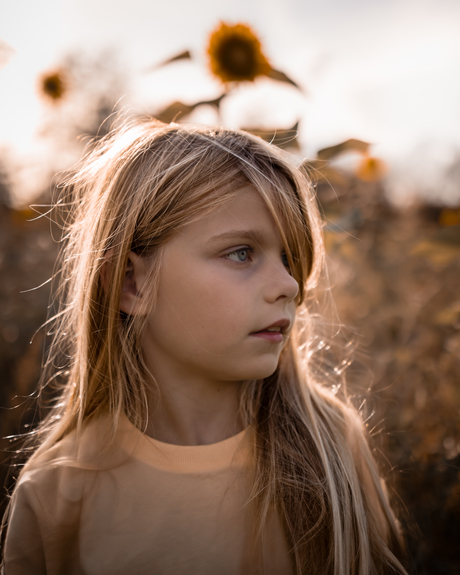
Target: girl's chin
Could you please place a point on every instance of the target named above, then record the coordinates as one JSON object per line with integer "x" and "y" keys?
{"x": 261, "y": 371}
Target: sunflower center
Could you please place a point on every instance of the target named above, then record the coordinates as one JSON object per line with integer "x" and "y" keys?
{"x": 238, "y": 58}
{"x": 52, "y": 87}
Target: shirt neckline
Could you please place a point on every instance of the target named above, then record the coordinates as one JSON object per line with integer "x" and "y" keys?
{"x": 190, "y": 458}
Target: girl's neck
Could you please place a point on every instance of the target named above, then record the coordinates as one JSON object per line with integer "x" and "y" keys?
{"x": 194, "y": 413}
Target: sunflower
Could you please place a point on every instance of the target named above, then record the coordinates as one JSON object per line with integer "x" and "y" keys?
{"x": 53, "y": 85}
{"x": 371, "y": 169}
{"x": 235, "y": 54}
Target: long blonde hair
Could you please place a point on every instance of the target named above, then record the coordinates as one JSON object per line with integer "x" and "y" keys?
{"x": 133, "y": 191}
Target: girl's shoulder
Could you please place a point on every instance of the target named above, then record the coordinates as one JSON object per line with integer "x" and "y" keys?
{"x": 52, "y": 489}
{"x": 55, "y": 482}
{"x": 97, "y": 446}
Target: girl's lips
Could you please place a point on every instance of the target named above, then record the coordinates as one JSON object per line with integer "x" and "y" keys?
{"x": 272, "y": 336}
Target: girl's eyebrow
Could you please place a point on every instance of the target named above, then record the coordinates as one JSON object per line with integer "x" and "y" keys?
{"x": 255, "y": 235}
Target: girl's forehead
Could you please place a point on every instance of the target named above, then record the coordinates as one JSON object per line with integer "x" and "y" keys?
{"x": 243, "y": 212}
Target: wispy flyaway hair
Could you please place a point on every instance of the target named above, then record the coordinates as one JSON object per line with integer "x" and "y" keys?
{"x": 133, "y": 191}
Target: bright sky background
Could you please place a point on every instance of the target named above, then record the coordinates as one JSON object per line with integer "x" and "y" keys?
{"x": 386, "y": 71}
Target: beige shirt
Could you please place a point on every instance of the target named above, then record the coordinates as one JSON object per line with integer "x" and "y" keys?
{"x": 140, "y": 507}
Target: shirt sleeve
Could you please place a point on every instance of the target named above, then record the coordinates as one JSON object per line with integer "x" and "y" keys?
{"x": 24, "y": 550}
{"x": 44, "y": 524}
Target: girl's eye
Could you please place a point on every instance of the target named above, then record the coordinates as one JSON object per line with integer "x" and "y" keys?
{"x": 240, "y": 256}
{"x": 285, "y": 261}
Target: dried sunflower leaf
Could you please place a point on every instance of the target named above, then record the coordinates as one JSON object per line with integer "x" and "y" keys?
{"x": 216, "y": 102}
{"x": 185, "y": 55}
{"x": 282, "y": 77}
{"x": 174, "y": 111}
{"x": 178, "y": 110}
{"x": 347, "y": 146}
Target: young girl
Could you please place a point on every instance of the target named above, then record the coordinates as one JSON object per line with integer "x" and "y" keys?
{"x": 189, "y": 435}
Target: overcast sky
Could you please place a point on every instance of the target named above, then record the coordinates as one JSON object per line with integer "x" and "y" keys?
{"x": 387, "y": 71}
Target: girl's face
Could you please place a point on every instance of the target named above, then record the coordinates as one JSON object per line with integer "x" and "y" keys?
{"x": 226, "y": 301}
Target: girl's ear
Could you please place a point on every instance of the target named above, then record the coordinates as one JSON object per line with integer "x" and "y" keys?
{"x": 132, "y": 299}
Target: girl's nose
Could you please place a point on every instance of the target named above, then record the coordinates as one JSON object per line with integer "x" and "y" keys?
{"x": 281, "y": 284}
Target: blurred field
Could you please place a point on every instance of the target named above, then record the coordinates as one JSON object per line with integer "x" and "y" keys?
{"x": 396, "y": 285}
